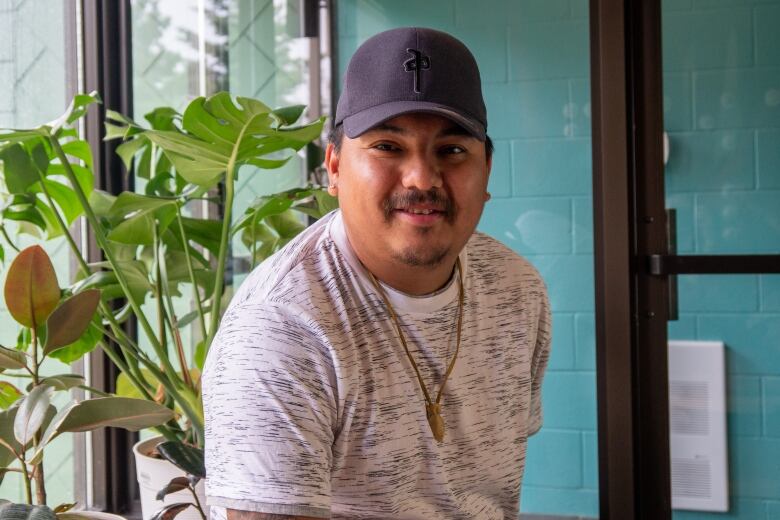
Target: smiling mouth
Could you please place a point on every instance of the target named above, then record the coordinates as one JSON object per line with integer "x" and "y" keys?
{"x": 421, "y": 206}
{"x": 416, "y": 211}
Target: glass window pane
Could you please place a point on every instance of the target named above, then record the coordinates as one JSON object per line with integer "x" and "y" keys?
{"x": 34, "y": 45}
{"x": 721, "y": 66}
{"x": 534, "y": 62}
{"x": 185, "y": 49}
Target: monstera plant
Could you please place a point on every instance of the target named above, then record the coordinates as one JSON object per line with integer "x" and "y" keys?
{"x": 157, "y": 252}
{"x": 51, "y": 319}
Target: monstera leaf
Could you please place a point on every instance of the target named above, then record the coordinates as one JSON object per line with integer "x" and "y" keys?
{"x": 218, "y": 135}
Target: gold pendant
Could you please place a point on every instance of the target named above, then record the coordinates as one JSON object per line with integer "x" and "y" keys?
{"x": 435, "y": 420}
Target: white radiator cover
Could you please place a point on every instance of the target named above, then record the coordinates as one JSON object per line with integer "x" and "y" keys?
{"x": 697, "y": 425}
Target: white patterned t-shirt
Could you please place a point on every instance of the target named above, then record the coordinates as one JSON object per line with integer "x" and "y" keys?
{"x": 313, "y": 408}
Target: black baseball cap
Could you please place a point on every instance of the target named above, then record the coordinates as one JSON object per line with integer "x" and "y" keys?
{"x": 411, "y": 69}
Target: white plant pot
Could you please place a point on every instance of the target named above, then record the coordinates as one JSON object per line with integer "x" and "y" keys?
{"x": 154, "y": 474}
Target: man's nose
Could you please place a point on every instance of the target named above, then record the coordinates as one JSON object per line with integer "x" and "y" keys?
{"x": 422, "y": 172}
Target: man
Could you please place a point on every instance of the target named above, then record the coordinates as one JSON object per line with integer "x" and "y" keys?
{"x": 388, "y": 362}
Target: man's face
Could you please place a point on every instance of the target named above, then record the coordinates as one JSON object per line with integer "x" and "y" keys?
{"x": 411, "y": 191}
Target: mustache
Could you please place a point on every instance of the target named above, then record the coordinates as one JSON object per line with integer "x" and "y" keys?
{"x": 433, "y": 197}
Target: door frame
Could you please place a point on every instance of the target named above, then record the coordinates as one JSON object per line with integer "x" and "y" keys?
{"x": 629, "y": 224}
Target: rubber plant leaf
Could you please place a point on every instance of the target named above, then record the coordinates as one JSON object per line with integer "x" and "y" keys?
{"x": 185, "y": 457}
{"x": 63, "y": 381}
{"x": 69, "y": 321}
{"x": 7, "y": 418}
{"x": 170, "y": 511}
{"x": 9, "y": 394}
{"x": 119, "y": 412}
{"x": 175, "y": 485}
{"x": 86, "y": 343}
{"x": 12, "y": 359}
{"x": 31, "y": 290}
{"x": 32, "y": 412}
{"x": 51, "y": 431}
{"x": 62, "y": 508}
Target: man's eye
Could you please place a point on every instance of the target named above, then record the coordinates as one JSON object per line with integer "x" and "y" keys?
{"x": 453, "y": 149}
{"x": 384, "y": 147}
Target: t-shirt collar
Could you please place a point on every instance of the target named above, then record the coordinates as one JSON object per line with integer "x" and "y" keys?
{"x": 401, "y": 301}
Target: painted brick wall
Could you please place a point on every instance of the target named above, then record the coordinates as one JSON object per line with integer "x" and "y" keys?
{"x": 534, "y": 60}
{"x": 722, "y": 113}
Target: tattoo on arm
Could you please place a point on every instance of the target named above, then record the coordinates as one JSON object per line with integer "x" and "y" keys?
{"x": 234, "y": 514}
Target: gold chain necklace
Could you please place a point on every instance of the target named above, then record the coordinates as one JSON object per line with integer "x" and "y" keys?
{"x": 432, "y": 408}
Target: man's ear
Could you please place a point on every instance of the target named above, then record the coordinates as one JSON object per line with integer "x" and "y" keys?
{"x": 489, "y": 169}
{"x": 332, "y": 165}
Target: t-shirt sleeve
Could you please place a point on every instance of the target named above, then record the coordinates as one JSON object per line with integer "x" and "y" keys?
{"x": 269, "y": 397}
{"x": 539, "y": 360}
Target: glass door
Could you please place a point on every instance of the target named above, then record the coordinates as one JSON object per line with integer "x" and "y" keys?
{"x": 721, "y": 107}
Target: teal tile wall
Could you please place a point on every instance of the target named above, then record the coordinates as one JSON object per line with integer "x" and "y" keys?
{"x": 557, "y": 454}
{"x": 770, "y": 293}
{"x": 706, "y": 39}
{"x": 738, "y": 222}
{"x": 548, "y": 166}
{"x": 767, "y": 20}
{"x": 711, "y": 161}
{"x": 768, "y": 158}
{"x": 678, "y": 108}
{"x": 745, "y": 97}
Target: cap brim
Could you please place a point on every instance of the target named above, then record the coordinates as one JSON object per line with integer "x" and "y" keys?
{"x": 359, "y": 123}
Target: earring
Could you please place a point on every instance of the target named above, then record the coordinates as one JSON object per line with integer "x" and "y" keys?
{"x": 487, "y": 196}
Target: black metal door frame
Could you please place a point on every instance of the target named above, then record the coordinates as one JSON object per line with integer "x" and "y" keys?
{"x": 633, "y": 261}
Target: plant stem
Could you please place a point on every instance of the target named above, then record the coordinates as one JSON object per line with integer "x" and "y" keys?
{"x": 163, "y": 430}
{"x": 8, "y": 239}
{"x": 159, "y": 287}
{"x": 254, "y": 241}
{"x": 195, "y": 290}
{"x": 34, "y": 370}
{"x": 27, "y": 481}
{"x": 102, "y": 241}
{"x": 197, "y": 503}
{"x": 40, "y": 484}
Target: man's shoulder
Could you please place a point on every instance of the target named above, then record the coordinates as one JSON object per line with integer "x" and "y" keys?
{"x": 490, "y": 257}
{"x": 283, "y": 275}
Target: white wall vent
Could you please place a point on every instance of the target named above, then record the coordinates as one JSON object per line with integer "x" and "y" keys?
{"x": 697, "y": 425}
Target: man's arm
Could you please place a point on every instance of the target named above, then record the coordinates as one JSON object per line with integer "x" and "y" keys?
{"x": 234, "y": 514}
